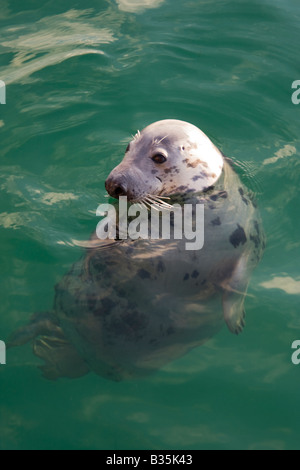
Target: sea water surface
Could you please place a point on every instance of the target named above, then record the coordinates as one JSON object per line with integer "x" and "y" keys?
{"x": 81, "y": 78}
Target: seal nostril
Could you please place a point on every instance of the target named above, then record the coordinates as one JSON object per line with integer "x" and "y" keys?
{"x": 158, "y": 179}
{"x": 119, "y": 191}
{"x": 115, "y": 188}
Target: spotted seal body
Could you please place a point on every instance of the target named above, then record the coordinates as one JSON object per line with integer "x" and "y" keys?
{"x": 127, "y": 308}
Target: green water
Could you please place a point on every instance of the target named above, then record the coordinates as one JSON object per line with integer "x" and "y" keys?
{"x": 81, "y": 77}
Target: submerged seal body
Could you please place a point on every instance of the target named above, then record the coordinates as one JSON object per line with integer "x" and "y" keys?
{"x": 129, "y": 307}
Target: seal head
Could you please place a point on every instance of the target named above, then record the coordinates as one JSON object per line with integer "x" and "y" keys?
{"x": 168, "y": 157}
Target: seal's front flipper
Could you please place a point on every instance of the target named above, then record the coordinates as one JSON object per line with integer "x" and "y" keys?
{"x": 61, "y": 358}
{"x": 234, "y": 313}
{"x": 50, "y": 344}
{"x": 40, "y": 324}
{"x": 235, "y": 290}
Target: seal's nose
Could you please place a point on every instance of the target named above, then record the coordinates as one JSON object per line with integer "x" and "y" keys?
{"x": 115, "y": 188}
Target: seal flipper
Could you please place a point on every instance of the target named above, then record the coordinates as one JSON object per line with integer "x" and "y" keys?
{"x": 61, "y": 358}
{"x": 40, "y": 324}
{"x": 50, "y": 344}
{"x": 234, "y": 297}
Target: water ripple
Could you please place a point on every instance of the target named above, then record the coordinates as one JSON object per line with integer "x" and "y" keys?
{"x": 50, "y": 41}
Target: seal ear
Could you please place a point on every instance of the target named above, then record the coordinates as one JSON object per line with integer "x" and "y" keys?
{"x": 234, "y": 296}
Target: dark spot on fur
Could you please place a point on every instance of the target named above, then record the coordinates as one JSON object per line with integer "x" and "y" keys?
{"x": 195, "y": 274}
{"x": 144, "y": 274}
{"x": 255, "y": 239}
{"x": 194, "y": 164}
{"x": 154, "y": 172}
{"x": 221, "y": 194}
{"x": 136, "y": 320}
{"x": 107, "y": 306}
{"x": 182, "y": 188}
{"x": 216, "y": 221}
{"x": 161, "y": 268}
{"x": 186, "y": 277}
{"x": 242, "y": 193}
{"x": 198, "y": 177}
{"x": 209, "y": 188}
{"x": 203, "y": 282}
{"x": 168, "y": 170}
{"x": 238, "y": 237}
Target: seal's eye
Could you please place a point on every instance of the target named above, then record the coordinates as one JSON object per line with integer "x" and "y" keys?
{"x": 159, "y": 158}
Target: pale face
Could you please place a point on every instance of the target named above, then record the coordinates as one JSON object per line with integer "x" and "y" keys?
{"x": 167, "y": 157}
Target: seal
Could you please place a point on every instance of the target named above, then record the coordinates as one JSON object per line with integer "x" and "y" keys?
{"x": 131, "y": 306}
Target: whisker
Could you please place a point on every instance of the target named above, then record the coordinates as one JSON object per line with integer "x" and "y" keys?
{"x": 156, "y": 204}
{"x": 151, "y": 204}
{"x": 160, "y": 141}
{"x": 152, "y": 201}
{"x": 159, "y": 198}
{"x": 136, "y": 136}
{"x": 162, "y": 197}
{"x": 163, "y": 204}
{"x": 159, "y": 202}
{"x": 146, "y": 204}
